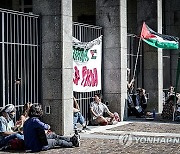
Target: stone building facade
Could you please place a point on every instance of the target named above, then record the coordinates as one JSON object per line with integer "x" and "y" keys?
{"x": 118, "y": 19}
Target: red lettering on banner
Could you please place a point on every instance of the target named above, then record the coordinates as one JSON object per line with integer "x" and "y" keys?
{"x": 76, "y": 75}
{"x": 90, "y": 77}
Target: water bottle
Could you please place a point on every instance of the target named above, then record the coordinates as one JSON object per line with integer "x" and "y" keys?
{"x": 154, "y": 113}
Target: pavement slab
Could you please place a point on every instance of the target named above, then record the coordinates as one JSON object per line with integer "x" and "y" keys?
{"x": 107, "y": 139}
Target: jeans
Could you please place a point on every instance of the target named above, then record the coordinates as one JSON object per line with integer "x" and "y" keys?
{"x": 53, "y": 135}
{"x": 78, "y": 118}
{"x": 6, "y": 139}
{"x": 57, "y": 140}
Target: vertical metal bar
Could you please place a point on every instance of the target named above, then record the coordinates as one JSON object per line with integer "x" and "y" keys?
{"x": 37, "y": 55}
{"x": 11, "y": 60}
{"x": 34, "y": 59}
{"x": 80, "y": 38}
{"x": 15, "y": 67}
{"x": 9, "y": 83}
{"x": 18, "y": 62}
{"x": 31, "y": 55}
{"x": 24, "y": 42}
{"x": 3, "y": 62}
{"x": 27, "y": 62}
{"x": 28, "y": 59}
{"x": 21, "y": 59}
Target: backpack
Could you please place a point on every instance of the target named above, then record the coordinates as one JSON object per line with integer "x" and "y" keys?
{"x": 16, "y": 144}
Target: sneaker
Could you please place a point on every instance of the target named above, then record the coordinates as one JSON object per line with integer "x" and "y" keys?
{"x": 77, "y": 131}
{"x": 85, "y": 128}
{"x": 75, "y": 139}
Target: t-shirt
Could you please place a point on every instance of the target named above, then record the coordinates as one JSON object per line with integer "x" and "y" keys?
{"x": 98, "y": 108}
{"x": 5, "y": 125}
{"x": 30, "y": 133}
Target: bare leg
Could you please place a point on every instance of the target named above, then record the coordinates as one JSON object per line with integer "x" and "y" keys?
{"x": 101, "y": 120}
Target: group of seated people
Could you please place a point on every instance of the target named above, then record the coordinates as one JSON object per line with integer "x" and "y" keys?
{"x": 31, "y": 134}
{"x": 97, "y": 111}
{"x": 137, "y": 103}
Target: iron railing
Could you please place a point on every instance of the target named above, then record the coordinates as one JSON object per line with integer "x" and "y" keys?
{"x": 20, "y": 58}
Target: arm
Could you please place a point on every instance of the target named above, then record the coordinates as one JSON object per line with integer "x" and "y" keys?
{"x": 130, "y": 85}
{"x": 7, "y": 133}
{"x": 110, "y": 113}
{"x": 75, "y": 103}
{"x": 40, "y": 124}
{"x": 75, "y": 110}
{"x": 92, "y": 111}
{"x": 3, "y": 128}
{"x": 144, "y": 97}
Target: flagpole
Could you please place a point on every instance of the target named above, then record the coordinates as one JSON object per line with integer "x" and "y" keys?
{"x": 135, "y": 66}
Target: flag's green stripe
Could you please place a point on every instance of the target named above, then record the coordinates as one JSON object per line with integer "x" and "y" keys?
{"x": 163, "y": 45}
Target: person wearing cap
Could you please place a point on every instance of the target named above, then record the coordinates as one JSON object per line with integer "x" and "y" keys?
{"x": 7, "y": 124}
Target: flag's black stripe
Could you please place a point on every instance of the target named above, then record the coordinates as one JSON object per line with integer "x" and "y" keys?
{"x": 165, "y": 37}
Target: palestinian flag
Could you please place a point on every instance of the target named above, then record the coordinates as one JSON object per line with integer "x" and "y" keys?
{"x": 158, "y": 40}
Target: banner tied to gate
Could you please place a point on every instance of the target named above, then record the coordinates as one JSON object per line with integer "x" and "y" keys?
{"x": 87, "y": 65}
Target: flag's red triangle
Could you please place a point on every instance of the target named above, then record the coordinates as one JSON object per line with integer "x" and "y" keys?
{"x": 145, "y": 33}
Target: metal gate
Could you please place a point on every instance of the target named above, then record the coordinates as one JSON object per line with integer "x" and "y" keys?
{"x": 20, "y": 58}
{"x": 85, "y": 33}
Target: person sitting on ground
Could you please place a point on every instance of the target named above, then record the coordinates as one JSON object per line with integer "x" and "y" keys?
{"x": 171, "y": 92}
{"x": 141, "y": 101}
{"x": 97, "y": 109}
{"x": 77, "y": 117}
{"x": 168, "y": 107}
{"x": 130, "y": 94}
{"x": 34, "y": 133}
{"x": 6, "y": 125}
{"x": 23, "y": 118}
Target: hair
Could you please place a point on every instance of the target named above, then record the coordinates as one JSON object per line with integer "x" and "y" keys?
{"x": 26, "y": 108}
{"x": 171, "y": 87}
{"x": 99, "y": 95}
{"x": 35, "y": 111}
{"x": 139, "y": 90}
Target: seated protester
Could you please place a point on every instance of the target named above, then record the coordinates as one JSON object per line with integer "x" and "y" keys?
{"x": 34, "y": 133}
{"x": 97, "y": 109}
{"x": 177, "y": 107}
{"x": 141, "y": 101}
{"x": 77, "y": 117}
{"x": 6, "y": 125}
{"x": 23, "y": 118}
{"x": 168, "y": 107}
{"x": 170, "y": 92}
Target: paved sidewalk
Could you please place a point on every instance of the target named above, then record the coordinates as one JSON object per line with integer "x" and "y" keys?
{"x": 132, "y": 137}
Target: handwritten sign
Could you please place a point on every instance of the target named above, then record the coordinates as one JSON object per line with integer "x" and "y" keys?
{"x": 87, "y": 57}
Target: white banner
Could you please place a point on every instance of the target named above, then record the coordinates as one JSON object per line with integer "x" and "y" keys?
{"x": 87, "y": 58}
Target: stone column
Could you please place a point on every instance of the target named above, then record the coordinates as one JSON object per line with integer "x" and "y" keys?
{"x": 150, "y": 12}
{"x": 56, "y": 31}
{"x": 111, "y": 15}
